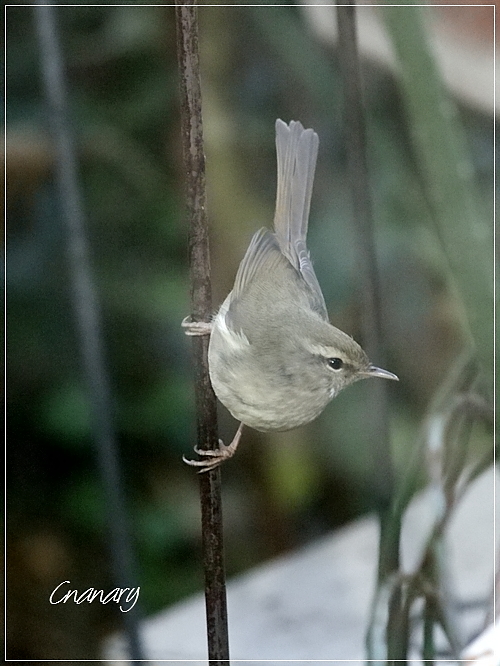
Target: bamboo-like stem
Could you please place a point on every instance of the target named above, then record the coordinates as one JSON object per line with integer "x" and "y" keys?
{"x": 383, "y": 474}
{"x": 448, "y": 178}
{"x": 87, "y": 314}
{"x": 201, "y": 299}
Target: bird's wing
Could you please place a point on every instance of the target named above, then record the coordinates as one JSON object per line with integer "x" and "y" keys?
{"x": 316, "y": 298}
{"x": 264, "y": 256}
{"x": 263, "y": 251}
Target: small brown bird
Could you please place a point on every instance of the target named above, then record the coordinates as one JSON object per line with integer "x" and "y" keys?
{"x": 275, "y": 360}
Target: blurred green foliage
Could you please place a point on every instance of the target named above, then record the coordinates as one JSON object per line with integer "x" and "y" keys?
{"x": 258, "y": 63}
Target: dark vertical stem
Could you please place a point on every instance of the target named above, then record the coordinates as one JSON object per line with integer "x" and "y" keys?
{"x": 201, "y": 298}
{"x": 87, "y": 312}
{"x": 428, "y": 651}
{"x": 363, "y": 219}
{"x": 354, "y": 121}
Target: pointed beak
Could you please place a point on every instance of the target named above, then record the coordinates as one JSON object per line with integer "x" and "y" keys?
{"x": 373, "y": 371}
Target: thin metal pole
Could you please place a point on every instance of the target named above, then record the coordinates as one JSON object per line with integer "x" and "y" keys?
{"x": 87, "y": 313}
{"x": 201, "y": 299}
{"x": 377, "y": 409}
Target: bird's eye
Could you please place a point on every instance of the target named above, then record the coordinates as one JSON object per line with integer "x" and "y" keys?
{"x": 335, "y": 363}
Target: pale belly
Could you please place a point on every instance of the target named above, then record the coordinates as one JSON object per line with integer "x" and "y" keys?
{"x": 271, "y": 412}
{"x": 261, "y": 400}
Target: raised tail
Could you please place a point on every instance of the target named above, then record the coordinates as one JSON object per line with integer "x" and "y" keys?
{"x": 297, "y": 150}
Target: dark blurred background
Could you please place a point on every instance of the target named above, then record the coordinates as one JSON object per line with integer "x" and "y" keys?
{"x": 258, "y": 64}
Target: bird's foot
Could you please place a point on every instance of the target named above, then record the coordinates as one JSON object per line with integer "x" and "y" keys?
{"x": 215, "y": 457}
{"x": 194, "y": 328}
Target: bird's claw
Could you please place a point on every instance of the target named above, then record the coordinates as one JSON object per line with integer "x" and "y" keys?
{"x": 211, "y": 452}
{"x": 207, "y": 465}
{"x": 195, "y": 328}
{"x": 214, "y": 457}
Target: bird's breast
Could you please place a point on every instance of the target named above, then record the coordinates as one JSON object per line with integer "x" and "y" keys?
{"x": 259, "y": 389}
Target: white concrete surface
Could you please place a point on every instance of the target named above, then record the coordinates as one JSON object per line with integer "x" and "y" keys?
{"x": 314, "y": 603}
